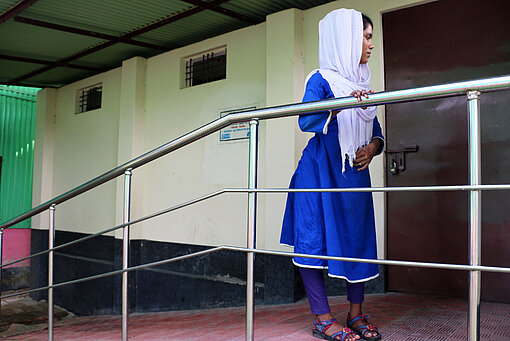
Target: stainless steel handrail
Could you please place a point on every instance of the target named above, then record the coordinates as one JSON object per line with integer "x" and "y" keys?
{"x": 471, "y": 88}
{"x": 116, "y": 272}
{"x": 381, "y": 98}
{"x": 269, "y": 252}
{"x": 450, "y": 188}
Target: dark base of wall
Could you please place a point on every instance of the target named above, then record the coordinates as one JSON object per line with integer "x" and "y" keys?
{"x": 212, "y": 280}
{"x": 15, "y": 278}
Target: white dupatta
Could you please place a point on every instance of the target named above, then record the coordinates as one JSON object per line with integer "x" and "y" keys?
{"x": 340, "y": 47}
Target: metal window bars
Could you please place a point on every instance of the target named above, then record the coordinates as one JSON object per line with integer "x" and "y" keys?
{"x": 470, "y": 88}
{"x": 90, "y": 98}
{"x": 208, "y": 67}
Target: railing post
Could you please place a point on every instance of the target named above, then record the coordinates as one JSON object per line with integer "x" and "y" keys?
{"x": 125, "y": 253}
{"x": 51, "y": 244}
{"x": 252, "y": 213}
{"x": 475, "y": 221}
{"x": 1, "y": 269}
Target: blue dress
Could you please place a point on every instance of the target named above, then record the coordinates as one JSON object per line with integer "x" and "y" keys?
{"x": 333, "y": 224}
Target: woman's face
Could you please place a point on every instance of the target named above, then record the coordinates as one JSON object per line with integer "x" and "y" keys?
{"x": 367, "y": 45}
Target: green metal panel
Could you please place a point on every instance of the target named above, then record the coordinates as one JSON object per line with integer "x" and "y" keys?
{"x": 17, "y": 124}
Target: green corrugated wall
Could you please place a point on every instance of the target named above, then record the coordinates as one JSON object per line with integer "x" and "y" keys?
{"x": 17, "y": 123}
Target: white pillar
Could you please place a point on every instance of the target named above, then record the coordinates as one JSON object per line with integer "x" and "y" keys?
{"x": 283, "y": 141}
{"x": 44, "y": 138}
{"x": 131, "y": 137}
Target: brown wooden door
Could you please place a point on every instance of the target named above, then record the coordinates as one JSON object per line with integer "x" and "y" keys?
{"x": 442, "y": 42}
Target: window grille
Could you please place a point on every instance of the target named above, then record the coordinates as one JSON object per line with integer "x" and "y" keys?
{"x": 207, "y": 67}
{"x": 90, "y": 98}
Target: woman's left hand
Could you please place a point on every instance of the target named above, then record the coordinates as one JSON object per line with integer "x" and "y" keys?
{"x": 365, "y": 154}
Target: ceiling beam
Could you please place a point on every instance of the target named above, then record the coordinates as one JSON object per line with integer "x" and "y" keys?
{"x": 30, "y": 84}
{"x": 165, "y": 21}
{"x": 15, "y": 9}
{"x": 217, "y": 8}
{"x": 47, "y": 62}
{"x": 88, "y": 33}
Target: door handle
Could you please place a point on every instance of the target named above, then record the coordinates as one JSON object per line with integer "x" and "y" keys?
{"x": 397, "y": 161}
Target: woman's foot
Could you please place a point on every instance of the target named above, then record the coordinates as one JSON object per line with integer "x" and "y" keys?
{"x": 326, "y": 325}
{"x": 360, "y": 324}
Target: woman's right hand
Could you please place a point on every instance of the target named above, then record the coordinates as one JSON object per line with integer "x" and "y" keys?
{"x": 361, "y": 93}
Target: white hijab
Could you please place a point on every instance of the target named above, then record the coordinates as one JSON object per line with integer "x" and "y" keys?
{"x": 340, "y": 47}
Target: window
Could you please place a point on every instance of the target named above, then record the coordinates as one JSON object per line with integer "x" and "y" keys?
{"x": 206, "y": 67}
{"x": 89, "y": 98}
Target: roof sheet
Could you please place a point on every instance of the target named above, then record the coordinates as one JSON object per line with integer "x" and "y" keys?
{"x": 47, "y": 56}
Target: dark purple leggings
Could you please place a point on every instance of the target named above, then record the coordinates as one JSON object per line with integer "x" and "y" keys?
{"x": 316, "y": 291}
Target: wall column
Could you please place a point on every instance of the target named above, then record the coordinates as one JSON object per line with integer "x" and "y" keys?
{"x": 284, "y": 84}
{"x": 42, "y": 191}
{"x": 44, "y": 137}
{"x": 130, "y": 146}
{"x": 131, "y": 137}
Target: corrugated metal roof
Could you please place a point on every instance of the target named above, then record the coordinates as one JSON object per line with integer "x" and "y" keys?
{"x": 261, "y": 8}
{"x": 33, "y": 55}
{"x": 107, "y": 16}
{"x": 195, "y": 28}
{"x": 39, "y": 42}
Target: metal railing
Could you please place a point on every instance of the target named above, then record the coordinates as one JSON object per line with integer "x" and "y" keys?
{"x": 471, "y": 88}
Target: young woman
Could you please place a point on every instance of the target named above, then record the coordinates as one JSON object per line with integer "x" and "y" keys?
{"x": 337, "y": 224}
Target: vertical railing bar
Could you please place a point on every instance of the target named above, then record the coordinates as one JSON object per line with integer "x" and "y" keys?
{"x": 475, "y": 220}
{"x": 252, "y": 213}
{"x": 51, "y": 242}
{"x": 1, "y": 269}
{"x": 125, "y": 253}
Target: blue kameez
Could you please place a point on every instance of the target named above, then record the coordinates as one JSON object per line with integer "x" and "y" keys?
{"x": 332, "y": 224}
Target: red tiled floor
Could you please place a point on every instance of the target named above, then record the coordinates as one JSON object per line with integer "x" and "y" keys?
{"x": 400, "y": 317}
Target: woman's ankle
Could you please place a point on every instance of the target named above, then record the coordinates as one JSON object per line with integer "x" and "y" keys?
{"x": 324, "y": 317}
{"x": 355, "y": 310}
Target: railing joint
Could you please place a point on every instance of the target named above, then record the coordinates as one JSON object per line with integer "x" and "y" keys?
{"x": 473, "y": 94}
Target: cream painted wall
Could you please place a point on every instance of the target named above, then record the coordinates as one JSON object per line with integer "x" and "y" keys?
{"x": 43, "y": 153}
{"x": 131, "y": 138}
{"x": 144, "y": 107}
{"x": 85, "y": 147}
{"x": 206, "y": 165}
{"x": 285, "y": 79}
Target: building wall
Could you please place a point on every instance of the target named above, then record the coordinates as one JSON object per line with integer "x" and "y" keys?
{"x": 207, "y": 165}
{"x": 74, "y": 148}
{"x": 145, "y": 107}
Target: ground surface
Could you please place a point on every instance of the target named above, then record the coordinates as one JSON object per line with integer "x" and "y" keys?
{"x": 398, "y": 316}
